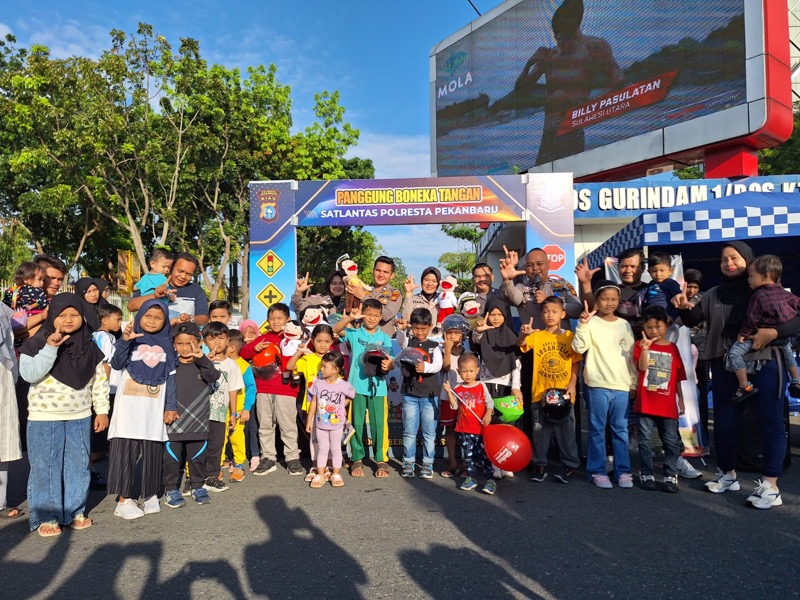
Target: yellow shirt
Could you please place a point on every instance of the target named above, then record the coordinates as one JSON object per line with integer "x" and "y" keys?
{"x": 553, "y": 358}
{"x": 308, "y": 365}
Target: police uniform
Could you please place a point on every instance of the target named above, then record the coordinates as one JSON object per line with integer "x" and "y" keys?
{"x": 392, "y": 300}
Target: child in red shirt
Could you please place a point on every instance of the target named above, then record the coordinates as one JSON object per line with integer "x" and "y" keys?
{"x": 475, "y": 407}
{"x": 660, "y": 374}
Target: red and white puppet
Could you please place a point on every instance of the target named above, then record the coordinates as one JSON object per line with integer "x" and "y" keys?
{"x": 446, "y": 298}
{"x": 352, "y": 279}
{"x": 293, "y": 336}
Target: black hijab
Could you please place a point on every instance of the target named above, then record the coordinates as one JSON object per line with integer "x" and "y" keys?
{"x": 736, "y": 292}
{"x": 499, "y": 346}
{"x": 89, "y": 310}
{"x": 436, "y": 273}
{"x": 77, "y": 357}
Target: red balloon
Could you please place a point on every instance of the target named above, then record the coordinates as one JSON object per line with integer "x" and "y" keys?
{"x": 507, "y": 447}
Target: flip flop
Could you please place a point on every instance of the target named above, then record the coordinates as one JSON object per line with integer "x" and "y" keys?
{"x": 80, "y": 522}
{"x": 357, "y": 470}
{"x": 53, "y": 529}
{"x": 14, "y": 513}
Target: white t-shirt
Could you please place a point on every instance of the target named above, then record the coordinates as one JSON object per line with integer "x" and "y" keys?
{"x": 231, "y": 381}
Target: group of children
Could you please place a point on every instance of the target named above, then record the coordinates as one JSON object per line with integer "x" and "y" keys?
{"x": 180, "y": 395}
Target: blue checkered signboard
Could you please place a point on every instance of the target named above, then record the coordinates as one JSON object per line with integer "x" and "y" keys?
{"x": 742, "y": 217}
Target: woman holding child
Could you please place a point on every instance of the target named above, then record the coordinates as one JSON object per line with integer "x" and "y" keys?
{"x": 723, "y": 310}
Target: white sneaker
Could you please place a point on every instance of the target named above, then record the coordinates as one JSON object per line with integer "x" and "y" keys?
{"x": 722, "y": 483}
{"x": 507, "y": 474}
{"x": 128, "y": 510}
{"x": 765, "y": 496}
{"x": 686, "y": 470}
{"x": 151, "y": 505}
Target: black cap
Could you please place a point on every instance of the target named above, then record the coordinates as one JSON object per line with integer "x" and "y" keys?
{"x": 186, "y": 329}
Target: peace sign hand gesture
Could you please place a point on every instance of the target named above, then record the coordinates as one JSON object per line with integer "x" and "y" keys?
{"x": 586, "y": 315}
{"x": 646, "y": 342}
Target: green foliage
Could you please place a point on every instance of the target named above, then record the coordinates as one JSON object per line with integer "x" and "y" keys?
{"x": 784, "y": 159}
{"x": 469, "y": 232}
{"x": 318, "y": 248}
{"x": 149, "y": 144}
{"x": 693, "y": 172}
{"x": 358, "y": 168}
{"x": 15, "y": 247}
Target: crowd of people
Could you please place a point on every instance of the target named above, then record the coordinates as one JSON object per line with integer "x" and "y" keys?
{"x": 192, "y": 402}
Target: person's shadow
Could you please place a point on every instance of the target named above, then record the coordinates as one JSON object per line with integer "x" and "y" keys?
{"x": 294, "y": 540}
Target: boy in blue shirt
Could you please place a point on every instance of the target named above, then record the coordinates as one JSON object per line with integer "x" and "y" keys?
{"x": 370, "y": 389}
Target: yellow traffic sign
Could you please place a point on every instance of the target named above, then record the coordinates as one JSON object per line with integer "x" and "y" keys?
{"x": 270, "y": 263}
{"x": 270, "y": 295}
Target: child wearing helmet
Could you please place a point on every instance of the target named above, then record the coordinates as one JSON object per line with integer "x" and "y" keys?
{"x": 555, "y": 376}
{"x": 455, "y": 329}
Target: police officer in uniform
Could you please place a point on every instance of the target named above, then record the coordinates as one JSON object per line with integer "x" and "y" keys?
{"x": 388, "y": 296}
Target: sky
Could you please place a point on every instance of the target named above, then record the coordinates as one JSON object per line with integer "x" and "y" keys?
{"x": 375, "y": 52}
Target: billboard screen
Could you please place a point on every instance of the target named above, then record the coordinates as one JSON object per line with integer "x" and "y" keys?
{"x": 538, "y": 81}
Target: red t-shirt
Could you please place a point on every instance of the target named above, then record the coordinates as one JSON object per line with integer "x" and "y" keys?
{"x": 273, "y": 385}
{"x": 475, "y": 397}
{"x": 657, "y": 392}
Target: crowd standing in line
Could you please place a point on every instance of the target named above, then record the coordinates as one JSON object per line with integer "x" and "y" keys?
{"x": 194, "y": 401}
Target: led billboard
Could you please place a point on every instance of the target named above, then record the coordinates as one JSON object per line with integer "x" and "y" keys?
{"x": 592, "y": 85}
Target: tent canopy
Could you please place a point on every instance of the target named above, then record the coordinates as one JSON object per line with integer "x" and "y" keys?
{"x": 741, "y": 217}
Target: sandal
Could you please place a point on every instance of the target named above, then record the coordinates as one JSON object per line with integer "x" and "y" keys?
{"x": 382, "y": 471}
{"x": 357, "y": 470}
{"x": 49, "y": 529}
{"x": 337, "y": 480}
{"x": 310, "y": 475}
{"x": 81, "y": 522}
{"x": 328, "y": 473}
{"x": 317, "y": 482}
{"x": 13, "y": 513}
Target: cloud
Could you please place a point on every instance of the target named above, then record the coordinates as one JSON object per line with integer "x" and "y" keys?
{"x": 395, "y": 156}
{"x": 400, "y": 241}
{"x": 64, "y": 38}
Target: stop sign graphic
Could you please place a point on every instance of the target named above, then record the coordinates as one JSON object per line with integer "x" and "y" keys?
{"x": 555, "y": 255}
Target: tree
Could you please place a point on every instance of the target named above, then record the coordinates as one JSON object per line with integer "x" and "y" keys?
{"x": 469, "y": 232}
{"x": 358, "y": 168}
{"x": 14, "y": 247}
{"x": 318, "y": 248}
{"x": 147, "y": 146}
{"x": 783, "y": 159}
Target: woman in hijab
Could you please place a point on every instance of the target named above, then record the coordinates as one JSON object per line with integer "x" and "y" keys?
{"x": 723, "y": 310}
{"x": 427, "y": 296}
{"x": 65, "y": 369}
{"x": 332, "y": 300}
{"x": 86, "y": 289}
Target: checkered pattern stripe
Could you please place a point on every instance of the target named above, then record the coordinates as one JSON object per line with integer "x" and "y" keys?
{"x": 718, "y": 225}
{"x": 630, "y": 236}
{"x": 740, "y": 217}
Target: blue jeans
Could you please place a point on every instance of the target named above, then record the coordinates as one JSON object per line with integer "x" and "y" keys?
{"x": 737, "y": 351}
{"x": 607, "y": 407}
{"x": 416, "y": 412}
{"x": 58, "y": 485}
{"x": 670, "y": 440}
{"x": 769, "y": 408}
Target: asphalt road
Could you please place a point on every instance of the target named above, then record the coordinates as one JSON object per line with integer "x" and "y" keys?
{"x": 275, "y": 537}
